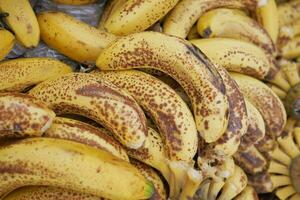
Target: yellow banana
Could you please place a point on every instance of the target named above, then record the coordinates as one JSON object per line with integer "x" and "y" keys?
{"x": 291, "y": 48}
{"x": 19, "y": 74}
{"x": 126, "y": 17}
{"x": 289, "y": 30}
{"x": 247, "y": 194}
{"x": 266, "y": 102}
{"x": 7, "y": 41}
{"x": 291, "y": 71}
{"x": 261, "y": 182}
{"x": 256, "y": 127}
{"x": 22, "y": 21}
{"x": 23, "y": 115}
{"x": 43, "y": 161}
{"x": 168, "y": 111}
{"x": 193, "y": 33}
{"x": 232, "y": 23}
{"x": 88, "y": 95}
{"x": 251, "y": 160}
{"x": 289, "y": 12}
{"x": 187, "y": 12}
{"x": 278, "y": 91}
{"x": 77, "y": 131}
{"x": 267, "y": 15}
{"x": 186, "y": 64}
{"x": 152, "y": 176}
{"x": 75, "y": 2}
{"x": 73, "y": 38}
{"x": 238, "y": 56}
{"x": 48, "y": 193}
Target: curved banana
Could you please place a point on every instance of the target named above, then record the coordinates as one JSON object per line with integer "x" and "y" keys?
{"x": 256, "y": 127}
{"x": 248, "y": 193}
{"x": 48, "y": 193}
{"x": 77, "y": 131}
{"x": 126, "y": 17}
{"x": 75, "y": 2}
{"x": 185, "y": 14}
{"x": 289, "y": 12}
{"x": 291, "y": 48}
{"x": 23, "y": 115}
{"x": 264, "y": 99}
{"x": 7, "y": 41}
{"x": 71, "y": 37}
{"x": 43, "y": 161}
{"x": 238, "y": 56}
{"x": 168, "y": 111}
{"x": 88, "y": 95}
{"x": 267, "y": 15}
{"x": 229, "y": 142}
{"x": 261, "y": 182}
{"x": 152, "y": 176}
{"x": 22, "y": 21}
{"x": 16, "y": 75}
{"x": 232, "y": 23}
{"x": 186, "y": 64}
{"x": 251, "y": 160}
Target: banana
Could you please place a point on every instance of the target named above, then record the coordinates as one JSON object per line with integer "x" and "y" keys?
{"x": 186, "y": 64}
{"x": 187, "y": 12}
{"x": 126, "y": 17}
{"x": 203, "y": 191}
{"x": 75, "y": 2}
{"x": 23, "y": 115}
{"x": 193, "y": 34}
{"x": 256, "y": 127}
{"x": 285, "y": 193}
{"x": 229, "y": 142}
{"x": 74, "y": 130}
{"x": 22, "y": 21}
{"x": 289, "y": 30}
{"x": 291, "y": 71}
{"x": 232, "y": 23}
{"x": 267, "y": 15}
{"x": 238, "y": 56}
{"x": 278, "y": 91}
{"x": 251, "y": 160}
{"x": 264, "y": 99}
{"x": 16, "y": 75}
{"x": 261, "y": 182}
{"x": 43, "y": 161}
{"x": 73, "y": 38}
{"x": 247, "y": 194}
{"x": 48, "y": 193}
{"x": 291, "y": 48}
{"x": 7, "y": 42}
{"x": 278, "y": 155}
{"x": 192, "y": 182}
{"x": 289, "y": 12}
{"x": 88, "y": 95}
{"x": 268, "y": 143}
{"x": 169, "y": 112}
{"x": 151, "y": 175}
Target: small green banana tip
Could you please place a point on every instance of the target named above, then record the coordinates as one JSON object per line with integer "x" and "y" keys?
{"x": 150, "y": 189}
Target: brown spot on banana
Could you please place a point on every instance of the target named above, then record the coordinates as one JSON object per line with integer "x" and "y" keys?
{"x": 23, "y": 115}
{"x": 169, "y": 112}
{"x": 261, "y": 182}
{"x": 88, "y": 95}
{"x": 190, "y": 68}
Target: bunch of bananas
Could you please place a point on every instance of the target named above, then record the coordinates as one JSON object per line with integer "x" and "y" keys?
{"x": 188, "y": 100}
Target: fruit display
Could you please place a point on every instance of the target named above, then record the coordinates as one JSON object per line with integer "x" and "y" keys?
{"x": 177, "y": 100}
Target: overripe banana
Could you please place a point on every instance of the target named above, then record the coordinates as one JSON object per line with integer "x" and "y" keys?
{"x": 71, "y": 37}
{"x": 248, "y": 193}
{"x": 268, "y": 143}
{"x": 126, "y": 17}
{"x": 88, "y": 95}
{"x": 264, "y": 99}
{"x": 168, "y": 111}
{"x": 291, "y": 48}
{"x": 77, "y": 131}
{"x": 187, "y": 12}
{"x": 75, "y": 2}
{"x": 232, "y": 23}
{"x": 261, "y": 182}
{"x": 238, "y": 56}
{"x": 186, "y": 64}
{"x": 22, "y": 21}
{"x": 7, "y": 41}
{"x": 43, "y": 161}
{"x": 23, "y": 115}
{"x": 16, "y": 75}
{"x": 256, "y": 128}
{"x": 289, "y": 12}
{"x": 267, "y": 15}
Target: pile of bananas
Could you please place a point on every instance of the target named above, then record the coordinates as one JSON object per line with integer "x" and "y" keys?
{"x": 190, "y": 99}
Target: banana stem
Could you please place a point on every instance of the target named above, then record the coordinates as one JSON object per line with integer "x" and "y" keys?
{"x": 193, "y": 180}
{"x": 292, "y": 102}
{"x": 295, "y": 173}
